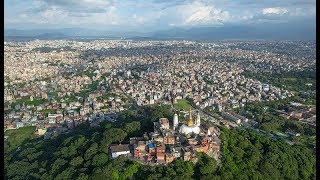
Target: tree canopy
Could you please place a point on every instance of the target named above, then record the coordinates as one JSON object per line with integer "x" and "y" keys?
{"x": 83, "y": 154}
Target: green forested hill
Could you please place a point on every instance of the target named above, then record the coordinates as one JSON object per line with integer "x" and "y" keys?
{"x": 83, "y": 154}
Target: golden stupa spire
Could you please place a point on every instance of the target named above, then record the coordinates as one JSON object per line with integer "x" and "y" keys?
{"x": 190, "y": 121}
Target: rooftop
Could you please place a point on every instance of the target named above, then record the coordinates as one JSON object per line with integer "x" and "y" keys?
{"x": 120, "y": 148}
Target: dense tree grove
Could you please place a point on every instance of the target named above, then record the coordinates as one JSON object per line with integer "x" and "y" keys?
{"x": 294, "y": 81}
{"x": 83, "y": 154}
{"x": 248, "y": 155}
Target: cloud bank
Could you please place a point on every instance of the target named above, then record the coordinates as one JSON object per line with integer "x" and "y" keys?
{"x": 141, "y": 15}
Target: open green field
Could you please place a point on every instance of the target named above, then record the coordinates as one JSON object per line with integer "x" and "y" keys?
{"x": 48, "y": 111}
{"x": 182, "y": 104}
{"x": 17, "y": 136}
{"x": 27, "y": 101}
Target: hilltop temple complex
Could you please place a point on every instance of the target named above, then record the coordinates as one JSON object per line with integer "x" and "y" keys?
{"x": 172, "y": 141}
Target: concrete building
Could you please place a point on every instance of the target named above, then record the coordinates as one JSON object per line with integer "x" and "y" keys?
{"x": 117, "y": 150}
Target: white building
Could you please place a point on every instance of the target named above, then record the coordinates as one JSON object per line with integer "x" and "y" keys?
{"x": 190, "y": 126}
{"x": 231, "y": 117}
{"x": 117, "y": 150}
{"x": 19, "y": 125}
{"x": 175, "y": 121}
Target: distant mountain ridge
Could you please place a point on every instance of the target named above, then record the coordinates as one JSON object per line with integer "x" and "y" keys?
{"x": 265, "y": 31}
{"x": 279, "y": 32}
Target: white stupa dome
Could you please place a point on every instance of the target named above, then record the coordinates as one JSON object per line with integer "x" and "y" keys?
{"x": 184, "y": 129}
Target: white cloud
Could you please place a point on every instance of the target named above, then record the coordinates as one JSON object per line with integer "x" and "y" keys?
{"x": 61, "y": 15}
{"x": 198, "y": 13}
{"x": 246, "y": 17}
{"x": 154, "y": 14}
{"x": 96, "y": 2}
{"x": 109, "y": 17}
{"x": 137, "y": 19}
{"x": 26, "y": 19}
{"x": 300, "y": 12}
{"x": 274, "y": 10}
{"x": 52, "y": 13}
{"x": 69, "y": 4}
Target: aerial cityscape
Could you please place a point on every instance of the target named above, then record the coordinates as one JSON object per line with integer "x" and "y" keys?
{"x": 129, "y": 105}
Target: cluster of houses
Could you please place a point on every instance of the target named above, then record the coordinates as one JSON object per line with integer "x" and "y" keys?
{"x": 169, "y": 142}
{"x": 234, "y": 117}
{"x": 217, "y": 85}
{"x": 210, "y": 77}
{"x": 299, "y": 112}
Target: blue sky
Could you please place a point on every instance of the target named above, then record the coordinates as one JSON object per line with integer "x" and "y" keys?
{"x": 151, "y": 15}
